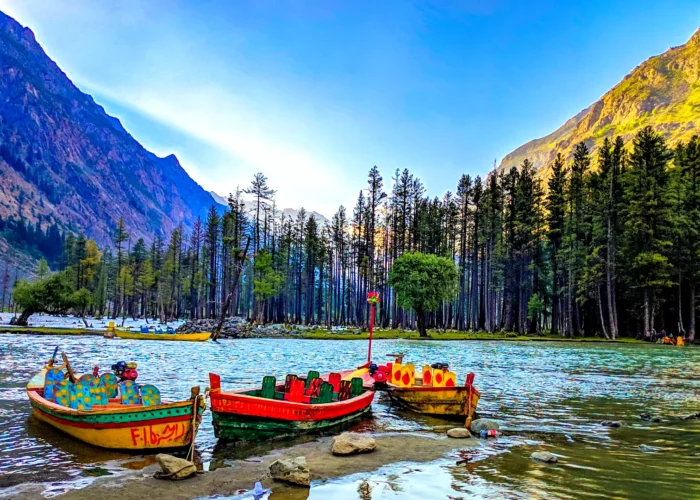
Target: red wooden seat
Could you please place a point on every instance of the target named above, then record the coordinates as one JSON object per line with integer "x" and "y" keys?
{"x": 334, "y": 380}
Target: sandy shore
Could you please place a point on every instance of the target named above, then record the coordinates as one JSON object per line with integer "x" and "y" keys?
{"x": 241, "y": 475}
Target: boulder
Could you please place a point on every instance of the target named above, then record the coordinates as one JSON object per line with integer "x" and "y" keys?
{"x": 293, "y": 471}
{"x": 544, "y": 456}
{"x": 352, "y": 443}
{"x": 613, "y": 424}
{"x": 483, "y": 424}
{"x": 459, "y": 433}
{"x": 175, "y": 468}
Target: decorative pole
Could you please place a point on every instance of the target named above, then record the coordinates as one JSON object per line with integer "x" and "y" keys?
{"x": 372, "y": 300}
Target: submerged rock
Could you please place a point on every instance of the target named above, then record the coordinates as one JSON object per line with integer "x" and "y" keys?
{"x": 351, "y": 443}
{"x": 544, "y": 456}
{"x": 459, "y": 433}
{"x": 613, "y": 423}
{"x": 293, "y": 471}
{"x": 648, "y": 449}
{"x": 175, "y": 468}
{"x": 483, "y": 424}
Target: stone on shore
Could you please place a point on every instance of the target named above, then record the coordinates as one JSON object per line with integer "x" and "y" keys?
{"x": 352, "y": 443}
{"x": 459, "y": 433}
{"x": 483, "y": 424}
{"x": 175, "y": 468}
{"x": 293, "y": 471}
{"x": 544, "y": 456}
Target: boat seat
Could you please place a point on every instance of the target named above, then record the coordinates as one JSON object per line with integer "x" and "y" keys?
{"x": 288, "y": 381}
{"x": 296, "y": 392}
{"x": 80, "y": 397}
{"x": 450, "y": 379}
{"x": 438, "y": 377}
{"x": 334, "y": 380}
{"x": 396, "y": 371}
{"x": 53, "y": 377}
{"x": 344, "y": 392}
{"x": 313, "y": 374}
{"x": 268, "y": 387}
{"x": 356, "y": 387}
{"x": 109, "y": 381}
{"x": 427, "y": 375}
{"x": 150, "y": 395}
{"x": 326, "y": 393}
{"x": 96, "y": 388}
{"x": 130, "y": 393}
{"x": 313, "y": 388}
{"x": 62, "y": 392}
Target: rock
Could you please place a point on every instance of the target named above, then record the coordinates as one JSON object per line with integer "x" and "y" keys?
{"x": 175, "y": 468}
{"x": 613, "y": 423}
{"x": 648, "y": 449}
{"x": 351, "y": 443}
{"x": 483, "y": 424}
{"x": 459, "y": 433}
{"x": 544, "y": 456}
{"x": 692, "y": 416}
{"x": 293, "y": 471}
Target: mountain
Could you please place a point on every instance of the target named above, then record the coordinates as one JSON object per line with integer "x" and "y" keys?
{"x": 292, "y": 213}
{"x": 663, "y": 91}
{"x": 65, "y": 161}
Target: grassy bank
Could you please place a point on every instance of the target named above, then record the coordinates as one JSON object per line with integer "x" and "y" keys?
{"x": 435, "y": 335}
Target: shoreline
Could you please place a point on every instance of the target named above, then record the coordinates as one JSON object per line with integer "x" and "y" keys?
{"x": 239, "y": 475}
{"x": 347, "y": 335}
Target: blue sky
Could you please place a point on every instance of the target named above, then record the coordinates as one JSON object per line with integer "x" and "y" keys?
{"x": 313, "y": 93}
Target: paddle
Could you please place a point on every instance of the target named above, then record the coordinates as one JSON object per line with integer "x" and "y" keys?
{"x": 71, "y": 376}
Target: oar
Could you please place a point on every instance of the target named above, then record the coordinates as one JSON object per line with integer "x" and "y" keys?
{"x": 468, "y": 403}
{"x": 71, "y": 376}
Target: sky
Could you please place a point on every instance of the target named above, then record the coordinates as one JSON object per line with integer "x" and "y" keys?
{"x": 313, "y": 93}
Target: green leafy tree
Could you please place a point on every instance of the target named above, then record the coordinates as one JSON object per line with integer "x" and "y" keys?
{"x": 52, "y": 295}
{"x": 422, "y": 282}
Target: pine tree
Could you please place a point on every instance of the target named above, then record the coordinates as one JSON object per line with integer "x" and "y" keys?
{"x": 647, "y": 219}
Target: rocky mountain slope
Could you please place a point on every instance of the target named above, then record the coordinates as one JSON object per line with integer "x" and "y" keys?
{"x": 63, "y": 159}
{"x": 663, "y": 91}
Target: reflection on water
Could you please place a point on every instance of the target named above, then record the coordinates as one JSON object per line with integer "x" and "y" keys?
{"x": 549, "y": 396}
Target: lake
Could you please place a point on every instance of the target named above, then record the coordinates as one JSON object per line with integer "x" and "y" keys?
{"x": 547, "y": 395}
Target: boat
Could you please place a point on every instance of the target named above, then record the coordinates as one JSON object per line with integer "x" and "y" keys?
{"x": 192, "y": 337}
{"x": 435, "y": 393}
{"x": 103, "y": 412}
{"x": 299, "y": 406}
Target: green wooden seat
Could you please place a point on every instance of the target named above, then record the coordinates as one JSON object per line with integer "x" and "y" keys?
{"x": 268, "y": 387}
{"x": 326, "y": 394}
{"x": 312, "y": 375}
{"x": 356, "y": 387}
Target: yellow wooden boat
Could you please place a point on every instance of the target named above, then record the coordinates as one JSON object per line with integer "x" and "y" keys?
{"x": 192, "y": 337}
{"x": 444, "y": 402}
{"x": 116, "y": 423}
{"x": 435, "y": 393}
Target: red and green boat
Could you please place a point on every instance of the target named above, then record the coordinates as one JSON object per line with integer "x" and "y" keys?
{"x": 299, "y": 406}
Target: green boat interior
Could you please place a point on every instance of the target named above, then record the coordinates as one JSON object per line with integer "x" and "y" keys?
{"x": 311, "y": 390}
